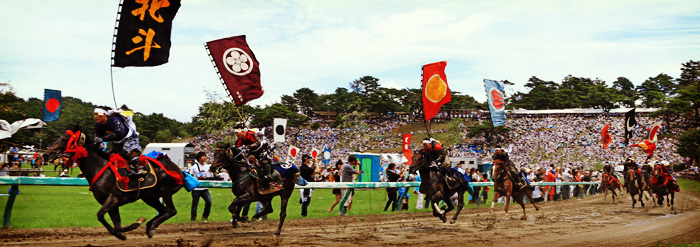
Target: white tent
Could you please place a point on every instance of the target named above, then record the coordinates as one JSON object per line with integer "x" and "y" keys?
{"x": 7, "y": 130}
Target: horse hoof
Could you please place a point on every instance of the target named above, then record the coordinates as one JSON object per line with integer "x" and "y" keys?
{"x": 151, "y": 233}
{"x": 452, "y": 221}
{"x": 443, "y": 219}
{"x": 277, "y": 234}
{"x": 120, "y": 235}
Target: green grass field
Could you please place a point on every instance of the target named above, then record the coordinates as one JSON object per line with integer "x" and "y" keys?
{"x": 691, "y": 185}
{"x": 66, "y": 206}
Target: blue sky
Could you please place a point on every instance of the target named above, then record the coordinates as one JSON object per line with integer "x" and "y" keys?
{"x": 323, "y": 45}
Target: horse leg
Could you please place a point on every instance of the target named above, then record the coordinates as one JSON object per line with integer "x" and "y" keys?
{"x": 606, "y": 194}
{"x": 166, "y": 210}
{"x": 116, "y": 220}
{"x": 460, "y": 205}
{"x": 267, "y": 208}
{"x": 283, "y": 213}
{"x": 529, "y": 196}
{"x": 496, "y": 195}
{"x": 108, "y": 205}
{"x": 519, "y": 199}
{"x": 508, "y": 196}
{"x": 673, "y": 195}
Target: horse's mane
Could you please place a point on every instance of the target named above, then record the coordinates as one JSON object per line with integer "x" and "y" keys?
{"x": 91, "y": 146}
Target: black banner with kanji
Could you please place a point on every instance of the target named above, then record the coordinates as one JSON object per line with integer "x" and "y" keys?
{"x": 143, "y": 35}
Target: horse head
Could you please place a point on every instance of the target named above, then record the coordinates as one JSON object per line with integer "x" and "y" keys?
{"x": 416, "y": 163}
{"x": 630, "y": 175}
{"x": 67, "y": 144}
{"x": 227, "y": 157}
{"x": 498, "y": 170}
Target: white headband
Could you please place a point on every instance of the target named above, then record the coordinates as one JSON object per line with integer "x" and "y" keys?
{"x": 100, "y": 111}
{"x": 426, "y": 141}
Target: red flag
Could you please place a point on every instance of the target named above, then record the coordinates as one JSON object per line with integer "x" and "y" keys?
{"x": 647, "y": 146}
{"x": 407, "y": 152}
{"x": 606, "y": 139}
{"x": 436, "y": 92}
{"x": 237, "y": 68}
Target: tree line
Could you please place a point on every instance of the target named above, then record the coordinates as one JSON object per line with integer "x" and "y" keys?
{"x": 677, "y": 97}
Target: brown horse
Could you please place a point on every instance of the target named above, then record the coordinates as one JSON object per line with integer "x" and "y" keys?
{"x": 106, "y": 192}
{"x": 646, "y": 175}
{"x": 609, "y": 183}
{"x": 634, "y": 184}
{"x": 503, "y": 186}
{"x": 245, "y": 185}
{"x": 663, "y": 187}
{"x": 434, "y": 187}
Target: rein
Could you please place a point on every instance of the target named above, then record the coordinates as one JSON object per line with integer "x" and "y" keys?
{"x": 231, "y": 159}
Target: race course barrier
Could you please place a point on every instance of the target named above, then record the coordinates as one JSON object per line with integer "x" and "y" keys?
{"x": 16, "y": 181}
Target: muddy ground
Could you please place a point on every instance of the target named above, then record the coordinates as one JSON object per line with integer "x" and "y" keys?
{"x": 591, "y": 221}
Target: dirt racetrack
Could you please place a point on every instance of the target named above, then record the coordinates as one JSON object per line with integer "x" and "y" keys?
{"x": 588, "y": 222}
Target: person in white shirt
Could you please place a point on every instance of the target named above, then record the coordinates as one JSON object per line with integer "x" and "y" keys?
{"x": 566, "y": 189}
{"x": 200, "y": 171}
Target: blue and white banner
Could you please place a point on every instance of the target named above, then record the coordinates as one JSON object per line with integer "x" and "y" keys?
{"x": 326, "y": 156}
{"x": 496, "y": 99}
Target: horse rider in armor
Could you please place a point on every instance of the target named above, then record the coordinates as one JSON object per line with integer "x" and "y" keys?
{"x": 112, "y": 126}
{"x": 437, "y": 157}
{"x": 259, "y": 155}
{"x": 500, "y": 157}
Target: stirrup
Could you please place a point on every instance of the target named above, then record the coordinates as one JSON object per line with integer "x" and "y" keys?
{"x": 140, "y": 171}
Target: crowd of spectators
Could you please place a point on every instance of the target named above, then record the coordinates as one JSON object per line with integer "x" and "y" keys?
{"x": 536, "y": 141}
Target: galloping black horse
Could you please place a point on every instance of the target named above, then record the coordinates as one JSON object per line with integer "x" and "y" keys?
{"x": 435, "y": 188}
{"x": 104, "y": 188}
{"x": 245, "y": 185}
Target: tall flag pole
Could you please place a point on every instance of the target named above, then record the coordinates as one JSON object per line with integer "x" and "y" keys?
{"x": 436, "y": 92}
{"x": 52, "y": 104}
{"x": 495, "y": 97}
{"x": 630, "y": 123}
{"x": 237, "y": 68}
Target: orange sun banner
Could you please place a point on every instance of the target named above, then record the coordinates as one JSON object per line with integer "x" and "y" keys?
{"x": 436, "y": 92}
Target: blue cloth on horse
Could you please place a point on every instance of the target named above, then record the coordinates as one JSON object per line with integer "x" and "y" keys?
{"x": 461, "y": 175}
{"x": 285, "y": 169}
{"x": 154, "y": 154}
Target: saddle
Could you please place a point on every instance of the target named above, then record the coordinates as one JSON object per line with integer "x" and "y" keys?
{"x": 452, "y": 180}
{"x": 267, "y": 187}
{"x": 137, "y": 182}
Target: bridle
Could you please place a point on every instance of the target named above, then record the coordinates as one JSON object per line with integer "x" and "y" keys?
{"x": 75, "y": 146}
